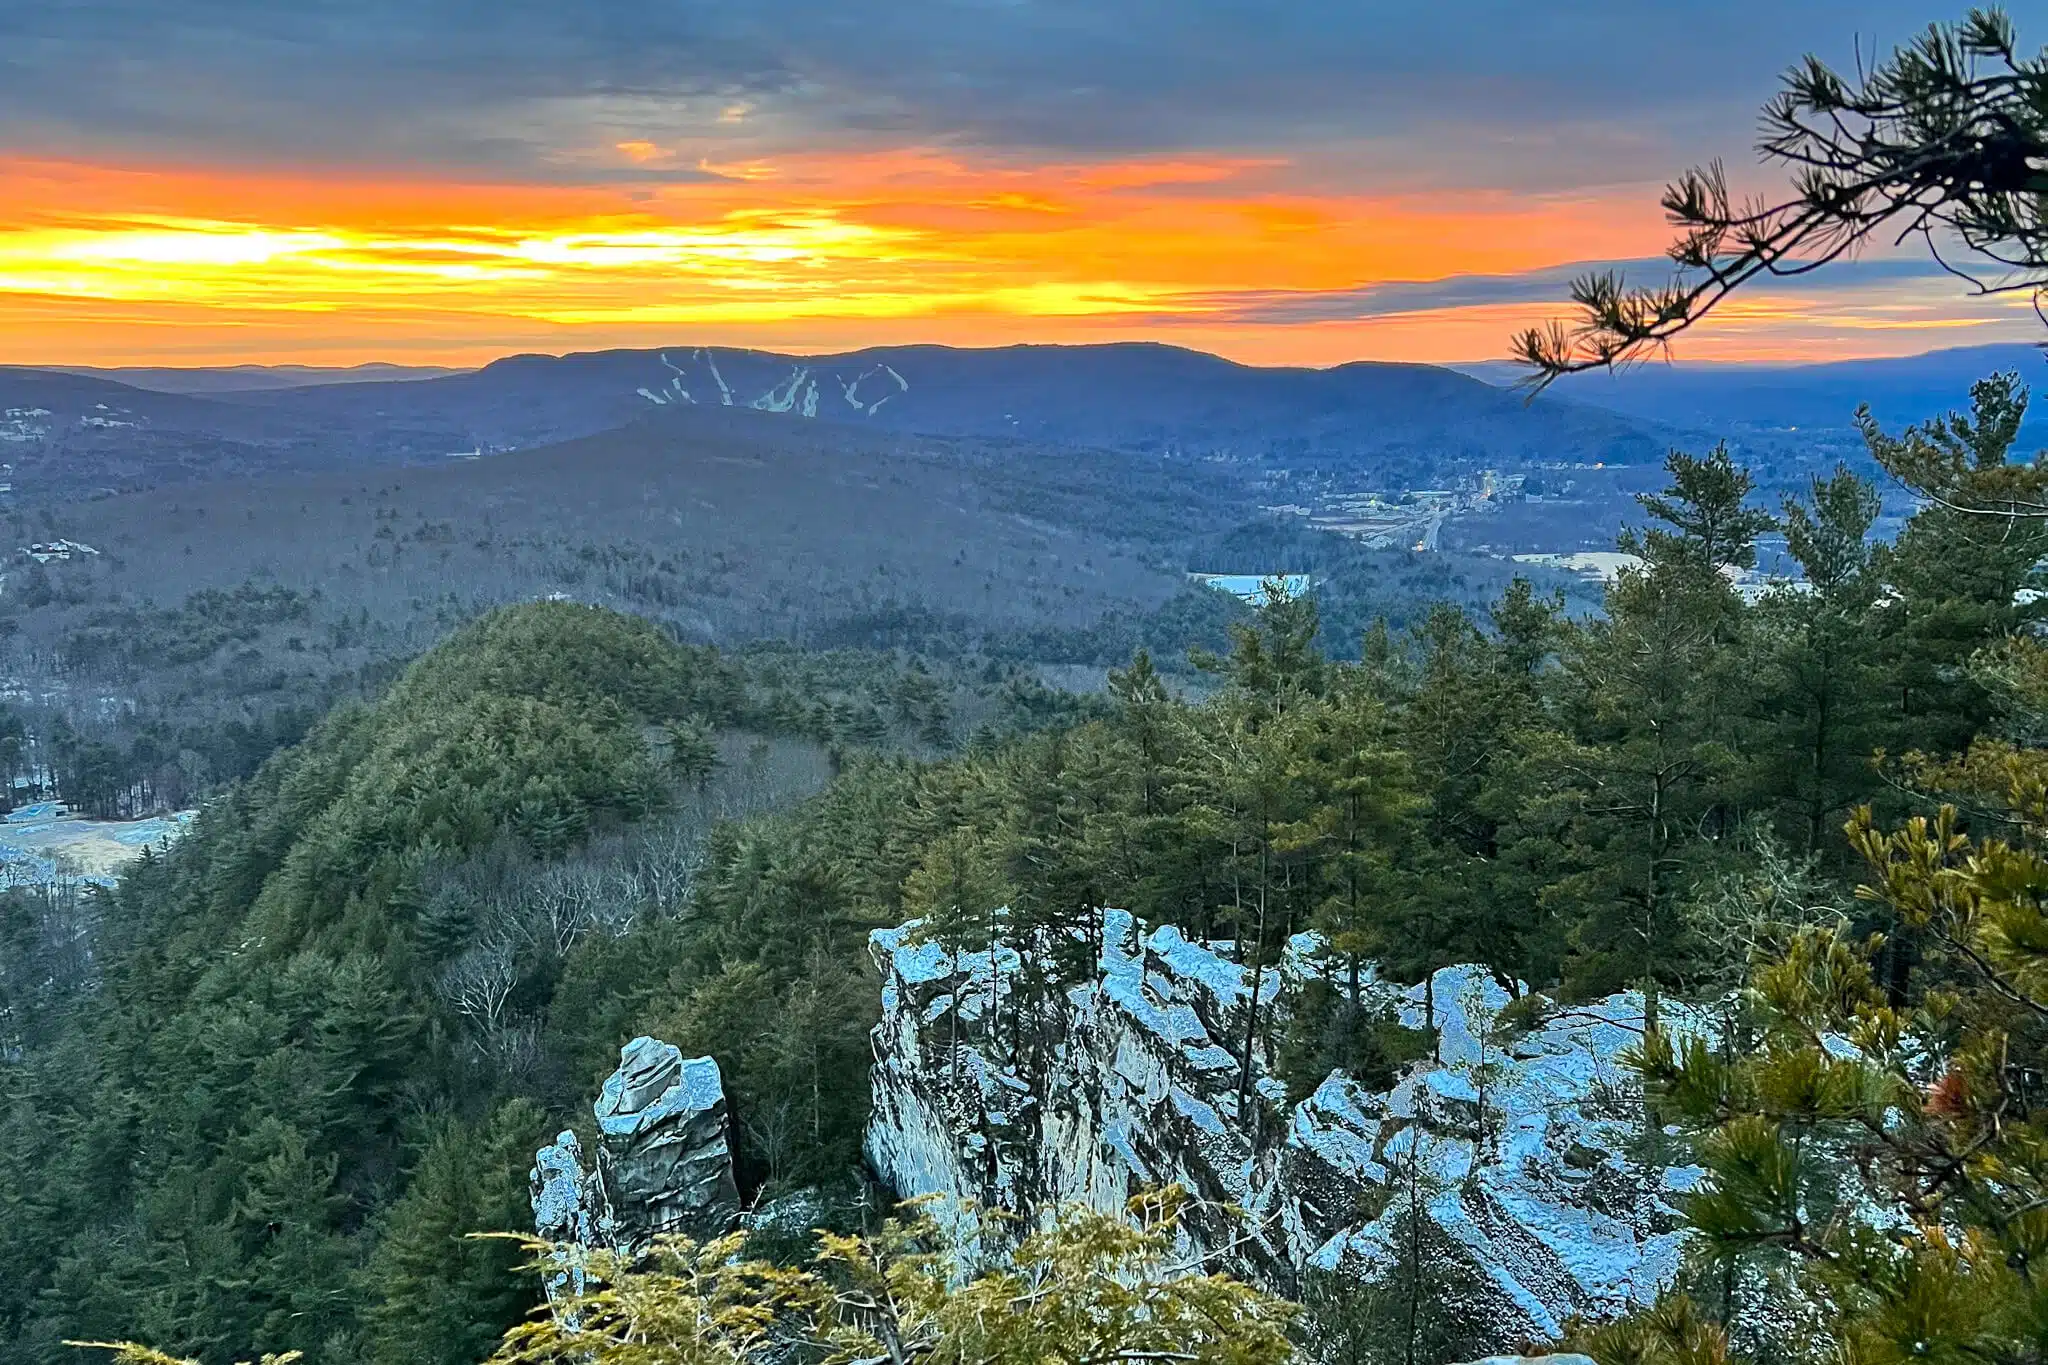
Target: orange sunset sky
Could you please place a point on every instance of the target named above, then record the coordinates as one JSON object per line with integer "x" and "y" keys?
{"x": 205, "y": 210}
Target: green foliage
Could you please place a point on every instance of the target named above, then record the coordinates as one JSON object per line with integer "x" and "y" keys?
{"x": 205, "y": 623}
{"x": 1414, "y": 1305}
{"x": 436, "y": 1292}
{"x": 1710, "y": 524}
{"x": 1090, "y": 1289}
{"x": 1958, "y": 567}
{"x": 1327, "y": 1031}
{"x": 321, "y": 1042}
{"x": 1674, "y": 1332}
{"x": 573, "y": 657}
{"x": 1872, "y": 1125}
{"x": 692, "y": 753}
{"x": 1817, "y": 663}
{"x": 311, "y": 1046}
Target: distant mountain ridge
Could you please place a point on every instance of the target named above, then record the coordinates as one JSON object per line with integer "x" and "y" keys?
{"x": 1132, "y": 396}
{"x": 70, "y": 432}
{"x": 69, "y": 435}
{"x": 1767, "y": 397}
{"x": 211, "y": 379}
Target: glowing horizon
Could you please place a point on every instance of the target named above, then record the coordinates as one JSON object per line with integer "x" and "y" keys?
{"x": 104, "y": 264}
{"x": 1307, "y": 183}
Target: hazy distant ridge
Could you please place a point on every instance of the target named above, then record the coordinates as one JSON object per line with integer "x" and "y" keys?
{"x": 1759, "y": 396}
{"x": 211, "y": 379}
{"x": 1135, "y": 396}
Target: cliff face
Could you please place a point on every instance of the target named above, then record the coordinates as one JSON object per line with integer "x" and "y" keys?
{"x": 1516, "y": 1165}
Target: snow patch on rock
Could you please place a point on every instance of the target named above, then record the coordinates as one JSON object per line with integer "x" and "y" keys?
{"x": 1519, "y": 1144}
{"x": 664, "y": 1164}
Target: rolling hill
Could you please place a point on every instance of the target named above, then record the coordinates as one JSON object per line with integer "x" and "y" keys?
{"x": 728, "y": 525}
{"x": 207, "y": 379}
{"x": 1402, "y": 425}
{"x": 71, "y": 435}
{"x": 1140, "y": 397}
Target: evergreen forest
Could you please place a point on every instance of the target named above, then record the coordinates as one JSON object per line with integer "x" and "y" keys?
{"x": 256, "y": 1093}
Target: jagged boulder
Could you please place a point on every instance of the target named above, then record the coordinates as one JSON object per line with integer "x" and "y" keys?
{"x": 1522, "y": 1148}
{"x": 664, "y": 1164}
{"x": 568, "y": 1208}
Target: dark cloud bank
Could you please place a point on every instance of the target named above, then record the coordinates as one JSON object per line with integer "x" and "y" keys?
{"x": 1479, "y": 92}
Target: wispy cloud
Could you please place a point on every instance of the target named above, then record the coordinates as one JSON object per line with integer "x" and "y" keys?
{"x": 974, "y": 247}
{"x": 1548, "y": 284}
{"x": 1308, "y": 180}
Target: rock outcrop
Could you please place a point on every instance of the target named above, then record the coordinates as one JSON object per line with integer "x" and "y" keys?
{"x": 664, "y": 1164}
{"x": 664, "y": 1161}
{"x": 1520, "y": 1149}
{"x": 569, "y": 1208}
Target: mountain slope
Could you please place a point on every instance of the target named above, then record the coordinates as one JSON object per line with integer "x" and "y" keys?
{"x": 205, "y": 379}
{"x": 68, "y": 400}
{"x": 294, "y": 936}
{"x": 70, "y": 435}
{"x": 1128, "y": 396}
{"x": 725, "y": 524}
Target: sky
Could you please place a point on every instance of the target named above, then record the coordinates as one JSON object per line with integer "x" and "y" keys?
{"x": 1281, "y": 181}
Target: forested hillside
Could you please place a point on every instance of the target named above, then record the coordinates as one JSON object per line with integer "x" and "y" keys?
{"x": 315, "y": 1042}
{"x": 319, "y": 1040}
{"x": 213, "y": 624}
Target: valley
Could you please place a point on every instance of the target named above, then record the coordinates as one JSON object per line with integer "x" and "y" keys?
{"x": 245, "y": 546}
{"x": 918, "y": 742}
{"x": 1345, "y": 945}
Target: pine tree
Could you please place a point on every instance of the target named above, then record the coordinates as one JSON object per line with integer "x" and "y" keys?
{"x": 1652, "y": 691}
{"x": 958, "y": 893}
{"x": 1816, "y": 677}
{"x": 437, "y": 1296}
{"x": 1942, "y": 139}
{"x": 1956, "y": 571}
{"x": 1883, "y": 1150}
{"x": 1357, "y": 826}
{"x": 692, "y": 753}
{"x": 1708, "y": 524}
{"x": 287, "y": 1216}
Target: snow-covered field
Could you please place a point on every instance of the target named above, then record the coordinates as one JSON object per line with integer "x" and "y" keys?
{"x": 41, "y": 842}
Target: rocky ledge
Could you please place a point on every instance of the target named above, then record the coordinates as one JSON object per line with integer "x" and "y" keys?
{"x": 1517, "y": 1159}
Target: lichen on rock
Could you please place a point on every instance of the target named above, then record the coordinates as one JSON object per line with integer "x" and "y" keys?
{"x": 1524, "y": 1148}
{"x": 663, "y": 1161}
{"x": 569, "y": 1209}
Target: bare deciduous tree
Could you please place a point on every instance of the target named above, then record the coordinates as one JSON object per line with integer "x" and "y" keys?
{"x": 478, "y": 986}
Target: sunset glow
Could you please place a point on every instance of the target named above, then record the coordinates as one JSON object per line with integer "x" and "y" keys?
{"x": 1302, "y": 183}
{"x": 121, "y": 264}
